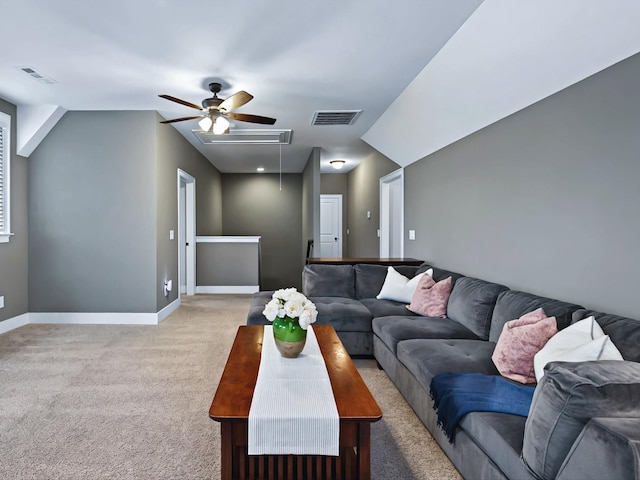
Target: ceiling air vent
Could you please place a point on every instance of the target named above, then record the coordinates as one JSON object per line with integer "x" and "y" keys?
{"x": 37, "y": 75}
{"x": 335, "y": 117}
{"x": 247, "y": 136}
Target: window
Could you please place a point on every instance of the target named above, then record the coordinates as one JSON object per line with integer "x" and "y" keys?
{"x": 5, "y": 135}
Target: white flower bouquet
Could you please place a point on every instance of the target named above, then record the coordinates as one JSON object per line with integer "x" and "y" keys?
{"x": 289, "y": 303}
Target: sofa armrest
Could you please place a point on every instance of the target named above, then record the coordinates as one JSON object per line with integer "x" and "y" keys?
{"x": 566, "y": 399}
{"x": 601, "y": 441}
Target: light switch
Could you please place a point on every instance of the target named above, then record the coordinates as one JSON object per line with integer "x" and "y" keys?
{"x": 412, "y": 234}
{"x": 378, "y": 233}
{"x": 171, "y": 236}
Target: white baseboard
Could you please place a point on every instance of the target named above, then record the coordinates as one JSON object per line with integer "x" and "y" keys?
{"x": 168, "y": 310}
{"x": 89, "y": 318}
{"x": 227, "y": 289}
{"x": 94, "y": 318}
{"x": 13, "y": 323}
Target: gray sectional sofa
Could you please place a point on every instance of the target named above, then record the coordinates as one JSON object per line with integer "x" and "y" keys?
{"x": 584, "y": 420}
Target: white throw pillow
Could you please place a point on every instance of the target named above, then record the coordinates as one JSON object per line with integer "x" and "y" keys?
{"x": 581, "y": 342}
{"x": 399, "y": 288}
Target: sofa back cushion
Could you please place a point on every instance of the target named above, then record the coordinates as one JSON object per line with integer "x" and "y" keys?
{"x": 623, "y": 332}
{"x": 512, "y": 304}
{"x": 568, "y": 396}
{"x": 471, "y": 304}
{"x": 369, "y": 278}
{"x": 320, "y": 280}
{"x": 440, "y": 274}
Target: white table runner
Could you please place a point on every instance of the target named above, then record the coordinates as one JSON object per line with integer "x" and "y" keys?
{"x": 293, "y": 410}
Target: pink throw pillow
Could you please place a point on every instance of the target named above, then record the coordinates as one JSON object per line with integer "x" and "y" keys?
{"x": 430, "y": 298}
{"x": 519, "y": 341}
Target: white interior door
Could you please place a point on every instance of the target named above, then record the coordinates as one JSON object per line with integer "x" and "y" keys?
{"x": 186, "y": 233}
{"x": 330, "y": 226}
{"x": 392, "y": 215}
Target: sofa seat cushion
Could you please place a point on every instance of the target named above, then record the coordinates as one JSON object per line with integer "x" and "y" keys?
{"x": 426, "y": 358}
{"x": 344, "y": 314}
{"x": 385, "y": 308}
{"x": 394, "y": 329}
{"x": 512, "y": 305}
{"x": 501, "y": 435}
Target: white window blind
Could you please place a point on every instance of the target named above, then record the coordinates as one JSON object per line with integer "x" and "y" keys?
{"x": 5, "y": 134}
{"x": 2, "y": 170}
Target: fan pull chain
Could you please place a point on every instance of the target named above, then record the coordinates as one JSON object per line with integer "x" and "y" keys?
{"x": 280, "y": 167}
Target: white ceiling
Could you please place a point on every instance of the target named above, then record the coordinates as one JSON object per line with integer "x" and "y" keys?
{"x": 294, "y": 56}
{"x": 297, "y": 57}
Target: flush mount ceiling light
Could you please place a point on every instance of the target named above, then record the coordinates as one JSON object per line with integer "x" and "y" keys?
{"x": 337, "y": 164}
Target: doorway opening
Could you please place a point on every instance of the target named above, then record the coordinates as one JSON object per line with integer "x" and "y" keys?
{"x": 186, "y": 233}
{"x": 392, "y": 215}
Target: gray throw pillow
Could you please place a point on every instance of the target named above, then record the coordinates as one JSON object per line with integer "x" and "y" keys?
{"x": 569, "y": 395}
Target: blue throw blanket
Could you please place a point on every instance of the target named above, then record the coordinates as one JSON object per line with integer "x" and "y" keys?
{"x": 456, "y": 394}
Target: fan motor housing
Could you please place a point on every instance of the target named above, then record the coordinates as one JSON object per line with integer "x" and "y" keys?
{"x": 211, "y": 102}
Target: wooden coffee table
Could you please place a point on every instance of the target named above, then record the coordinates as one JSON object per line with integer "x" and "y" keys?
{"x": 231, "y": 403}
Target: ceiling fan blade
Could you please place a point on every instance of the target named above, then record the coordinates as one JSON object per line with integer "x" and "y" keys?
{"x": 182, "y": 119}
{"x": 247, "y": 117}
{"x": 234, "y": 101}
{"x": 181, "y": 102}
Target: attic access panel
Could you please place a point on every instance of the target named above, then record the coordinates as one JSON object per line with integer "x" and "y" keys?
{"x": 246, "y": 136}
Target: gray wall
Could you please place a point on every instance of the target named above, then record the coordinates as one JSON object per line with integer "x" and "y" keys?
{"x": 228, "y": 264}
{"x": 14, "y": 259}
{"x": 173, "y": 152}
{"x": 544, "y": 201}
{"x": 102, "y": 199}
{"x": 311, "y": 203}
{"x": 338, "y": 184}
{"x": 92, "y": 209}
{"x": 253, "y": 204}
{"x": 364, "y": 195}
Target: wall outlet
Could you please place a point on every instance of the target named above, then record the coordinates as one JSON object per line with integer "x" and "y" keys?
{"x": 167, "y": 287}
{"x": 2, "y": 301}
{"x": 412, "y": 234}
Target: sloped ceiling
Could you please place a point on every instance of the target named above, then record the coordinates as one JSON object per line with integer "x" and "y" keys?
{"x": 507, "y": 56}
{"x": 425, "y": 73}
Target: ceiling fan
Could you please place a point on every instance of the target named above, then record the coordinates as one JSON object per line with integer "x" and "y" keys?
{"x": 219, "y": 111}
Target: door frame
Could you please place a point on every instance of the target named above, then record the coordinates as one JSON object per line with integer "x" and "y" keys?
{"x": 189, "y": 242}
{"x": 336, "y": 196}
{"x": 385, "y": 211}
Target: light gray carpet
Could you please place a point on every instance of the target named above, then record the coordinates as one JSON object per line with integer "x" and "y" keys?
{"x": 132, "y": 402}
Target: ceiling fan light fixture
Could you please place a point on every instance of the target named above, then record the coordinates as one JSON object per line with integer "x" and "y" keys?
{"x": 220, "y": 126}
{"x": 337, "y": 164}
{"x": 205, "y": 124}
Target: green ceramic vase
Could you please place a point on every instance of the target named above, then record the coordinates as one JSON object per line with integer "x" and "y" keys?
{"x": 290, "y": 337}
